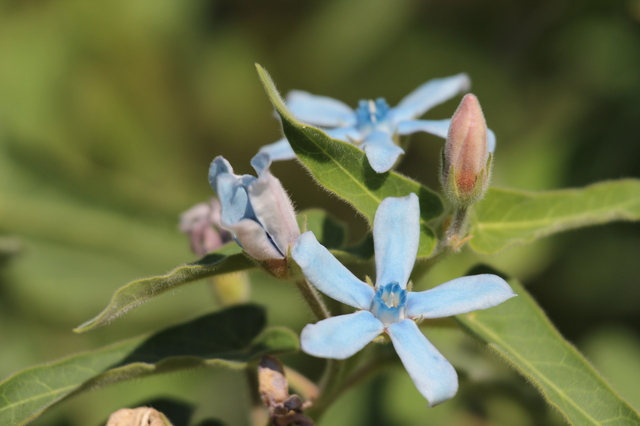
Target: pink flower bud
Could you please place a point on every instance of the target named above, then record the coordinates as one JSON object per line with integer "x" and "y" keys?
{"x": 202, "y": 224}
{"x": 466, "y": 169}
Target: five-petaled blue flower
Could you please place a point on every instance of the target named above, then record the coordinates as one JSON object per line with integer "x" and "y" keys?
{"x": 389, "y": 307}
{"x": 374, "y": 126}
{"x": 257, "y": 211}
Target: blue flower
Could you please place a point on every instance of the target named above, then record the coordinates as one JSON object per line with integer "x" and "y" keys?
{"x": 257, "y": 211}
{"x": 389, "y": 307}
{"x": 374, "y": 126}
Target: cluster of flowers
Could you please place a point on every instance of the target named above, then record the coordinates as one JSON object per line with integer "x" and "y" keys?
{"x": 259, "y": 215}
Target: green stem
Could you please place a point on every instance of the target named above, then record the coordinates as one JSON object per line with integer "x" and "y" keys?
{"x": 336, "y": 389}
{"x": 313, "y": 299}
{"x": 456, "y": 227}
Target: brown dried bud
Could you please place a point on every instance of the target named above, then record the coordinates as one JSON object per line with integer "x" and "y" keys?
{"x": 466, "y": 162}
{"x": 142, "y": 416}
{"x": 273, "y": 384}
{"x": 284, "y": 409}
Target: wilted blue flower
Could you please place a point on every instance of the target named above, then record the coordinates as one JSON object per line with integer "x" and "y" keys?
{"x": 257, "y": 211}
{"x": 389, "y": 307}
{"x": 374, "y": 126}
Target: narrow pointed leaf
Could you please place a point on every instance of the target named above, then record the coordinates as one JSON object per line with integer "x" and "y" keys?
{"x": 229, "y": 258}
{"x": 344, "y": 170}
{"x": 519, "y": 332}
{"x": 506, "y": 217}
{"x": 228, "y": 338}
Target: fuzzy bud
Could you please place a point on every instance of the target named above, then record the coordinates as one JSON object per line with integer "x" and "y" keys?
{"x": 466, "y": 161}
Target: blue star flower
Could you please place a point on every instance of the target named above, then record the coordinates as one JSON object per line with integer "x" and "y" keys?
{"x": 374, "y": 126}
{"x": 257, "y": 211}
{"x": 389, "y": 307}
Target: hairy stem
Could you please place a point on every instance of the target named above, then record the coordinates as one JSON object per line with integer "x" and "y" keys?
{"x": 452, "y": 237}
{"x": 313, "y": 299}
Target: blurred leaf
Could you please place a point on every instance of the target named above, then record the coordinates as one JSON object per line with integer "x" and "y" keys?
{"x": 229, "y": 338}
{"x": 229, "y": 258}
{"x": 616, "y": 353}
{"x": 9, "y": 246}
{"x": 344, "y": 170}
{"x": 520, "y": 333}
{"x": 329, "y": 232}
{"x": 332, "y": 234}
{"x": 506, "y": 216}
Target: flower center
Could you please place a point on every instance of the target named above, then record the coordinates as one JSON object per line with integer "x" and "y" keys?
{"x": 372, "y": 115}
{"x": 389, "y": 303}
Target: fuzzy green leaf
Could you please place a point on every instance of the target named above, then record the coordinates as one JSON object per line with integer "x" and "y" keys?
{"x": 506, "y": 217}
{"x": 228, "y": 338}
{"x": 229, "y": 258}
{"x": 343, "y": 169}
{"x": 519, "y": 332}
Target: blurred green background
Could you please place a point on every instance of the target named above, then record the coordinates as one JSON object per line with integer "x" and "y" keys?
{"x": 111, "y": 111}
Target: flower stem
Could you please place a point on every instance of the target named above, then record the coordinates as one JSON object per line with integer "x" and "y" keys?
{"x": 452, "y": 238}
{"x": 313, "y": 299}
{"x": 336, "y": 388}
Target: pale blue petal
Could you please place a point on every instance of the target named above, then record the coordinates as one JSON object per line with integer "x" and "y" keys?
{"x": 320, "y": 110}
{"x": 438, "y": 128}
{"x": 272, "y": 206}
{"x": 396, "y": 234}
{"x": 491, "y": 140}
{"x": 278, "y": 151}
{"x": 459, "y": 296}
{"x": 435, "y": 127}
{"x": 430, "y": 94}
{"x": 261, "y": 162}
{"x": 234, "y": 199}
{"x": 218, "y": 166}
{"x": 328, "y": 275}
{"x": 340, "y": 337}
{"x": 381, "y": 152}
{"x": 347, "y": 134}
{"x": 433, "y": 375}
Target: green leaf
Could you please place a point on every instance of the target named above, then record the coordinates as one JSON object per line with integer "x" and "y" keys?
{"x": 519, "y": 332}
{"x": 229, "y": 338}
{"x": 229, "y": 258}
{"x": 344, "y": 170}
{"x": 329, "y": 232}
{"x": 505, "y": 216}
{"x": 332, "y": 234}
{"x": 9, "y": 246}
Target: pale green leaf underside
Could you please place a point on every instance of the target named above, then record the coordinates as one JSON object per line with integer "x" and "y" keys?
{"x": 505, "y": 217}
{"x": 229, "y": 338}
{"x": 520, "y": 333}
{"x": 344, "y": 170}
{"x": 229, "y": 258}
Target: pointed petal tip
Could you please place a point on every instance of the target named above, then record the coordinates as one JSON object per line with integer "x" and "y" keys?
{"x": 218, "y": 166}
{"x": 261, "y": 162}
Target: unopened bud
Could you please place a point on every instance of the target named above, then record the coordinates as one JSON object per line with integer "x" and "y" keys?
{"x": 466, "y": 161}
{"x": 142, "y": 416}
